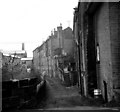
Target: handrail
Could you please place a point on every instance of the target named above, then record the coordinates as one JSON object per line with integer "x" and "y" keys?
{"x": 60, "y": 69}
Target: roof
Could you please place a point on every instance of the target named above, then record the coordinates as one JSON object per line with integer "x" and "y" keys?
{"x": 27, "y": 59}
{"x": 18, "y": 52}
{"x": 13, "y": 52}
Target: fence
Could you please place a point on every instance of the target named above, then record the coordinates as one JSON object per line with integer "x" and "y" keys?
{"x": 17, "y": 92}
{"x": 70, "y": 78}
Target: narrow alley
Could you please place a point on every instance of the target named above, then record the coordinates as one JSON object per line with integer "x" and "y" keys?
{"x": 57, "y": 95}
{"x": 46, "y": 64}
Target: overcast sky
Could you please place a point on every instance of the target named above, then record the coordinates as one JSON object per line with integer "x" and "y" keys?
{"x": 31, "y": 21}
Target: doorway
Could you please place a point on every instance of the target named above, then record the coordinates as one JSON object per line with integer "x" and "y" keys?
{"x": 91, "y": 56}
{"x": 105, "y": 91}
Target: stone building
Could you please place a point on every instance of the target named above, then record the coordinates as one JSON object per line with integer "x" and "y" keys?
{"x": 96, "y": 31}
{"x": 39, "y": 58}
{"x": 49, "y": 56}
{"x": 51, "y": 53}
{"x": 36, "y": 59}
{"x": 63, "y": 46}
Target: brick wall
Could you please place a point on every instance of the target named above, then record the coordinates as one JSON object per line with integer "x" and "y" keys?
{"x": 107, "y": 25}
{"x": 115, "y": 46}
{"x": 102, "y": 35}
{"x": 115, "y": 42}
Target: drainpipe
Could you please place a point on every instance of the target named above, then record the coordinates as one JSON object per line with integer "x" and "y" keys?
{"x": 48, "y": 65}
{"x": 79, "y": 69}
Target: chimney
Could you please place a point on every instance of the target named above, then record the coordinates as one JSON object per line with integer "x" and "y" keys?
{"x": 59, "y": 28}
{"x": 55, "y": 32}
{"x": 60, "y": 36}
{"x": 51, "y": 33}
{"x": 23, "y": 46}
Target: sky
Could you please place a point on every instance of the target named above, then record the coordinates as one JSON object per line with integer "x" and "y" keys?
{"x": 31, "y": 21}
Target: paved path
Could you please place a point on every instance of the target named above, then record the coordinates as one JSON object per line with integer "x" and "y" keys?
{"x": 64, "y": 98}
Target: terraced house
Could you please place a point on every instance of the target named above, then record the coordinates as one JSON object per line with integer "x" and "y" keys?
{"x": 55, "y": 52}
